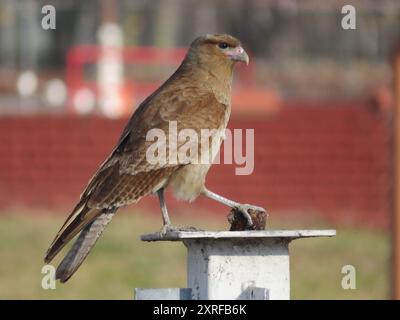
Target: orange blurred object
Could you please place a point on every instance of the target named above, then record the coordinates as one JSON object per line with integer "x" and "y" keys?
{"x": 255, "y": 101}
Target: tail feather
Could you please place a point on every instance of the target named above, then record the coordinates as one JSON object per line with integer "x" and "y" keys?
{"x": 80, "y": 217}
{"x": 82, "y": 246}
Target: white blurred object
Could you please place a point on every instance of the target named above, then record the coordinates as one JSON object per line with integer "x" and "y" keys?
{"x": 84, "y": 101}
{"x": 109, "y": 106}
{"x": 110, "y": 34}
{"x": 27, "y": 83}
{"x": 110, "y": 70}
{"x": 56, "y": 92}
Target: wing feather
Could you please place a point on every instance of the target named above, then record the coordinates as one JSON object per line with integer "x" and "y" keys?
{"x": 126, "y": 175}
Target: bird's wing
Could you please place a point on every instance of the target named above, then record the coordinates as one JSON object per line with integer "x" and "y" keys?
{"x": 109, "y": 190}
{"x": 190, "y": 109}
{"x": 131, "y": 175}
{"x": 126, "y": 175}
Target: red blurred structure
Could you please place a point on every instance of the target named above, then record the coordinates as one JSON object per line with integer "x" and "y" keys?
{"x": 332, "y": 160}
{"x": 78, "y": 57}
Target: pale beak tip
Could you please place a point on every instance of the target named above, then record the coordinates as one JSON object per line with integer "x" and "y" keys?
{"x": 245, "y": 57}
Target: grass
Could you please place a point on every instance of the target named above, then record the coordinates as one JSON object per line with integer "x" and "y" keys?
{"x": 121, "y": 262}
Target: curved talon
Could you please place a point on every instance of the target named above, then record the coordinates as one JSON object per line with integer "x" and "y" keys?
{"x": 244, "y": 209}
{"x": 167, "y": 228}
{"x": 255, "y": 208}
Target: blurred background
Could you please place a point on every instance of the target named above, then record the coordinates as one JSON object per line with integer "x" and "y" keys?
{"x": 319, "y": 97}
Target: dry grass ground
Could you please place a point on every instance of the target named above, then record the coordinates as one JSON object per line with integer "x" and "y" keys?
{"x": 121, "y": 261}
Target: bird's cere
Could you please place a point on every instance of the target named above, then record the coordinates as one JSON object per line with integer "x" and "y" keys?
{"x": 238, "y": 54}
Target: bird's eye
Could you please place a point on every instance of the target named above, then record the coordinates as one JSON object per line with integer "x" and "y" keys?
{"x": 223, "y": 45}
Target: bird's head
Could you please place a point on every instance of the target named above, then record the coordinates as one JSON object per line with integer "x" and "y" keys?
{"x": 217, "y": 50}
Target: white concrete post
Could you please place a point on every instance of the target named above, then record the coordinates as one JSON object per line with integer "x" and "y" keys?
{"x": 238, "y": 264}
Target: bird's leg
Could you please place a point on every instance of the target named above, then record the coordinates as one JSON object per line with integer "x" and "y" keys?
{"x": 167, "y": 226}
{"x": 243, "y": 208}
{"x": 163, "y": 206}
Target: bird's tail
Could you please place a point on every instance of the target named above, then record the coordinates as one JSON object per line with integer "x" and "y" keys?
{"x": 82, "y": 246}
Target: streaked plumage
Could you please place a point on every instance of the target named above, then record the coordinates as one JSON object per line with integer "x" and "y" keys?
{"x": 197, "y": 96}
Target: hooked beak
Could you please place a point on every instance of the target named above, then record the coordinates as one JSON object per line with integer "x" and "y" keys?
{"x": 238, "y": 54}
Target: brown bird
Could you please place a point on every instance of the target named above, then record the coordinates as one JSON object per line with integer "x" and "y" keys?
{"x": 197, "y": 96}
